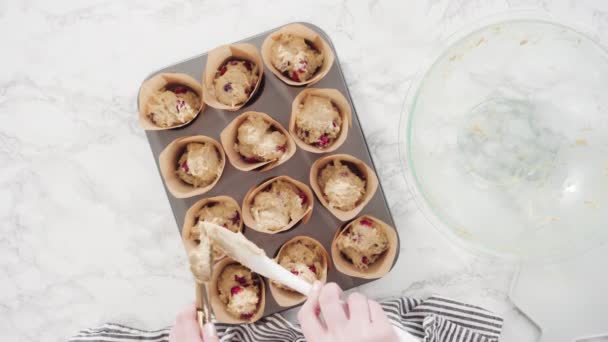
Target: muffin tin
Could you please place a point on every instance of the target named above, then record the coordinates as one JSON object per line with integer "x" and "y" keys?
{"x": 275, "y": 98}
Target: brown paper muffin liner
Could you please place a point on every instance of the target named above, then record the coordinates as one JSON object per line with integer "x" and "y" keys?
{"x": 286, "y": 298}
{"x": 371, "y": 183}
{"x": 228, "y": 138}
{"x": 219, "y": 308}
{"x": 190, "y": 220}
{"x": 169, "y": 157}
{"x": 343, "y": 107}
{"x": 219, "y": 56}
{"x": 151, "y": 86}
{"x": 376, "y": 270}
{"x": 250, "y": 195}
{"x": 309, "y": 35}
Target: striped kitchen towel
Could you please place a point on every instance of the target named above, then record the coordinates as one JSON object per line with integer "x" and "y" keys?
{"x": 436, "y": 319}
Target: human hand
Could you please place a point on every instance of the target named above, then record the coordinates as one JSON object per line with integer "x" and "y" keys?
{"x": 357, "y": 320}
{"x": 186, "y": 328}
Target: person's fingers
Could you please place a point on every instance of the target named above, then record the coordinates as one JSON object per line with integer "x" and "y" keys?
{"x": 376, "y": 313}
{"x": 186, "y": 327}
{"x": 358, "y": 308}
{"x": 173, "y": 335}
{"x": 186, "y": 314}
{"x": 209, "y": 333}
{"x": 332, "y": 306}
{"x": 309, "y": 313}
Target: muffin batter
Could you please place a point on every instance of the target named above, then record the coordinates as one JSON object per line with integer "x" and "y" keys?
{"x": 239, "y": 291}
{"x": 234, "y": 82}
{"x": 258, "y": 140}
{"x": 318, "y": 121}
{"x": 173, "y": 106}
{"x": 304, "y": 259}
{"x": 295, "y": 58}
{"x": 200, "y": 259}
{"x": 200, "y": 164}
{"x": 278, "y": 205}
{"x": 342, "y": 188}
{"x": 223, "y": 214}
{"x": 363, "y": 242}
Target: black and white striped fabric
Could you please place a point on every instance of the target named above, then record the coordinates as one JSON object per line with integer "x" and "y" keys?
{"x": 436, "y": 319}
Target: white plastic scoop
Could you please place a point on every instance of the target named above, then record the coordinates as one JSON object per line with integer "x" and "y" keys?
{"x": 238, "y": 247}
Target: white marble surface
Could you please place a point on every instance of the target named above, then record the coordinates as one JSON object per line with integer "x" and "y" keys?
{"x": 87, "y": 235}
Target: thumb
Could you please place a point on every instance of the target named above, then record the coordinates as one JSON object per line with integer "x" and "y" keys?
{"x": 209, "y": 333}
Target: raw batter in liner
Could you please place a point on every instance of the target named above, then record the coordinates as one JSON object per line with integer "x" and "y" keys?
{"x": 239, "y": 291}
{"x": 304, "y": 259}
{"x": 234, "y": 82}
{"x": 342, "y": 188}
{"x": 200, "y": 164}
{"x": 258, "y": 140}
{"x": 173, "y": 105}
{"x": 295, "y": 58}
{"x": 363, "y": 242}
{"x": 278, "y": 205}
{"x": 318, "y": 121}
{"x": 224, "y": 214}
{"x": 200, "y": 259}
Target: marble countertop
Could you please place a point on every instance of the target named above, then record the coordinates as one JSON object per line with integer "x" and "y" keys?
{"x": 87, "y": 235}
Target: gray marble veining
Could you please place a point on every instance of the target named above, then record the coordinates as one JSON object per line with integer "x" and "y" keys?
{"x": 87, "y": 235}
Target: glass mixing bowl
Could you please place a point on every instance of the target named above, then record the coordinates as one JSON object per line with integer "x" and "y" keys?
{"x": 504, "y": 138}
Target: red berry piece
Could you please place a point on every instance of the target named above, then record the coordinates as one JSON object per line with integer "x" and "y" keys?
{"x": 228, "y": 87}
{"x": 295, "y": 77}
{"x": 364, "y": 260}
{"x": 240, "y": 280}
{"x": 366, "y": 222}
{"x": 312, "y": 268}
{"x": 295, "y": 272}
{"x": 323, "y": 141}
{"x": 303, "y": 197}
{"x": 248, "y": 65}
{"x": 334, "y": 124}
{"x": 185, "y": 166}
{"x": 317, "y": 311}
{"x": 282, "y": 148}
{"x": 235, "y": 290}
{"x": 247, "y": 315}
{"x": 235, "y": 218}
{"x": 223, "y": 70}
{"x": 180, "y": 90}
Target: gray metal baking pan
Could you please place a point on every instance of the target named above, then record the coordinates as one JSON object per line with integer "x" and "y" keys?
{"x": 274, "y": 98}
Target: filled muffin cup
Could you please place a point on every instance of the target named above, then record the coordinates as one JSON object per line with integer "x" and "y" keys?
{"x": 378, "y": 268}
{"x": 325, "y": 142}
{"x": 253, "y": 212}
{"x": 170, "y": 164}
{"x": 222, "y": 58}
{"x": 233, "y": 221}
{"x": 312, "y": 39}
{"x": 178, "y": 86}
{"x": 230, "y": 140}
{"x": 287, "y": 297}
{"x": 220, "y": 308}
{"x": 354, "y": 168}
